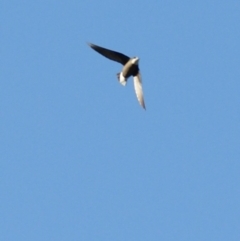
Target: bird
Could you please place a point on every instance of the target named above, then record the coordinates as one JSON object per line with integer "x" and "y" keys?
{"x": 130, "y": 68}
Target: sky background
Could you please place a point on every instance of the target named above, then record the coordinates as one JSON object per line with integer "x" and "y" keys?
{"x": 81, "y": 160}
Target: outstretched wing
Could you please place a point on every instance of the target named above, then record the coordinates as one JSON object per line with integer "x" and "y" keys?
{"x": 110, "y": 54}
{"x": 138, "y": 89}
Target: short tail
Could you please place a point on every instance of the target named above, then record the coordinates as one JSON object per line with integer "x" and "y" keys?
{"x": 121, "y": 79}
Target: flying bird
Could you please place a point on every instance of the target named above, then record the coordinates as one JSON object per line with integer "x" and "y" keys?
{"x": 130, "y": 68}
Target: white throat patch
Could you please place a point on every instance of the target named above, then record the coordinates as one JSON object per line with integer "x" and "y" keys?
{"x": 135, "y": 60}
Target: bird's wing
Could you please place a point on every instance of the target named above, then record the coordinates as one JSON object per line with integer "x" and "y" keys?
{"x": 113, "y": 55}
{"x": 138, "y": 89}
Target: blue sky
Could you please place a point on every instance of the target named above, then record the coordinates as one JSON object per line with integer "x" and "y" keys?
{"x": 81, "y": 160}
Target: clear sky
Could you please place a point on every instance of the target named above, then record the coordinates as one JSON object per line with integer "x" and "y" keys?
{"x": 81, "y": 160}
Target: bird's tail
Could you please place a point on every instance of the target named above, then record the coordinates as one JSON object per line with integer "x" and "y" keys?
{"x": 122, "y": 80}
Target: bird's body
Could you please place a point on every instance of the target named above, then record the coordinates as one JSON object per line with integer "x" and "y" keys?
{"x": 130, "y": 68}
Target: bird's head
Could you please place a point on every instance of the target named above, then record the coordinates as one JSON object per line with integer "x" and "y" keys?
{"x": 135, "y": 60}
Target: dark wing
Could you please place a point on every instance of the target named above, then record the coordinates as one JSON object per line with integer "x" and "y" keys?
{"x": 110, "y": 54}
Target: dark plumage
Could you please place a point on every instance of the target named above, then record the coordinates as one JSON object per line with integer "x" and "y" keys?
{"x": 130, "y": 68}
